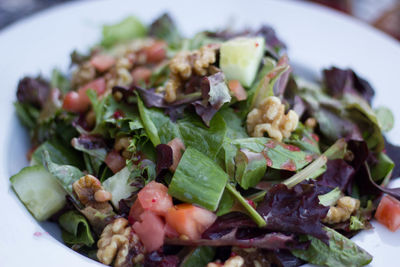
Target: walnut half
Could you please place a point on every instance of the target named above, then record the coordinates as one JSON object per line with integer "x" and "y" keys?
{"x": 90, "y": 192}
{"x": 184, "y": 64}
{"x": 344, "y": 208}
{"x": 269, "y": 117}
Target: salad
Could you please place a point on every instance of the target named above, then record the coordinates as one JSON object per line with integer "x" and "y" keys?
{"x": 159, "y": 150}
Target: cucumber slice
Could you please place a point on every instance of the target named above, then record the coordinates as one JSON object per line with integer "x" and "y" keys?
{"x": 119, "y": 186}
{"x": 38, "y": 191}
{"x": 241, "y": 57}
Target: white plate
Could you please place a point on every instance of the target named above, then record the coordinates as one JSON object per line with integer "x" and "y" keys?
{"x": 317, "y": 38}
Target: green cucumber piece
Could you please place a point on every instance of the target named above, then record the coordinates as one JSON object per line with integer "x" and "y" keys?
{"x": 38, "y": 191}
{"x": 241, "y": 57}
{"x": 198, "y": 180}
{"x": 119, "y": 186}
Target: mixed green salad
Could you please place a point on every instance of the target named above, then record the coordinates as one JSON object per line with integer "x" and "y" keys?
{"x": 158, "y": 150}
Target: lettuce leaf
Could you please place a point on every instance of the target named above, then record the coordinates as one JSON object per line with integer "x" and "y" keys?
{"x": 75, "y": 229}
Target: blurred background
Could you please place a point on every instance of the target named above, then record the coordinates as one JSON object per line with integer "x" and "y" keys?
{"x": 382, "y": 14}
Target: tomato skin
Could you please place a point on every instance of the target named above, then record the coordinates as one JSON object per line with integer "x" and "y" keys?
{"x": 102, "y": 62}
{"x": 98, "y": 85}
{"x": 150, "y": 231}
{"x": 155, "y": 52}
{"x": 78, "y": 101}
{"x": 190, "y": 220}
{"x": 154, "y": 197}
{"x": 140, "y": 75}
{"x": 115, "y": 161}
{"x": 177, "y": 147}
{"x": 72, "y": 103}
{"x": 237, "y": 89}
{"x": 388, "y": 213}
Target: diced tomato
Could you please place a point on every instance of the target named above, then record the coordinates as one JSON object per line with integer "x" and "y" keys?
{"x": 150, "y": 231}
{"x": 98, "y": 85}
{"x": 115, "y": 161}
{"x": 177, "y": 147}
{"x": 190, "y": 220}
{"x": 237, "y": 89}
{"x": 388, "y": 213}
{"x": 79, "y": 101}
{"x": 135, "y": 211}
{"x": 156, "y": 52}
{"x": 102, "y": 62}
{"x": 140, "y": 75}
{"x": 72, "y": 103}
{"x": 154, "y": 197}
{"x": 170, "y": 232}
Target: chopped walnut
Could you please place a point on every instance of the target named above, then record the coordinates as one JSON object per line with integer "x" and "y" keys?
{"x": 311, "y": 123}
{"x": 90, "y": 193}
{"x": 252, "y": 256}
{"x": 344, "y": 208}
{"x": 235, "y": 261}
{"x": 84, "y": 74}
{"x": 184, "y": 64}
{"x": 116, "y": 241}
{"x": 269, "y": 117}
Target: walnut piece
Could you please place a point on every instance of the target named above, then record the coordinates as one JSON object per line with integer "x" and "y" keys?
{"x": 235, "y": 261}
{"x": 84, "y": 74}
{"x": 269, "y": 117}
{"x": 344, "y": 208}
{"x": 115, "y": 242}
{"x": 90, "y": 192}
{"x": 184, "y": 64}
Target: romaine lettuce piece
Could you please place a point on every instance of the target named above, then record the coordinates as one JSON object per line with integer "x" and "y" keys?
{"x": 198, "y": 180}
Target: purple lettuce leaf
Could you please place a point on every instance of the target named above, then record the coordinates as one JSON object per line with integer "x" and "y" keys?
{"x": 338, "y": 174}
{"x": 158, "y": 259}
{"x": 215, "y": 93}
{"x": 296, "y": 210}
{"x": 236, "y": 229}
{"x": 33, "y": 91}
{"x": 263, "y": 240}
{"x": 273, "y": 44}
{"x": 342, "y": 81}
{"x": 164, "y": 159}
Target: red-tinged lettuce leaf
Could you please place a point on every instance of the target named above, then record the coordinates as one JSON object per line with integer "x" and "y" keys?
{"x": 339, "y": 82}
{"x": 33, "y": 91}
{"x": 296, "y": 210}
{"x": 338, "y": 174}
{"x": 164, "y": 159}
{"x": 215, "y": 93}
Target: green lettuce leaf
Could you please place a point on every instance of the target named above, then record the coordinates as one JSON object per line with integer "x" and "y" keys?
{"x": 340, "y": 252}
{"x": 198, "y": 180}
{"x": 59, "y": 153}
{"x": 66, "y": 175}
{"x": 75, "y": 229}
{"x": 199, "y": 256}
{"x": 128, "y": 29}
{"x": 207, "y": 140}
